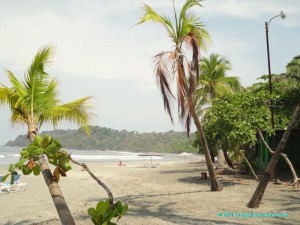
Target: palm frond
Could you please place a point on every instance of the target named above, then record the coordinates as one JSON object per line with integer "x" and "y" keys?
{"x": 17, "y": 85}
{"x": 182, "y": 87}
{"x": 163, "y": 80}
{"x": 11, "y": 98}
{"x": 5, "y": 94}
{"x": 187, "y": 5}
{"x": 42, "y": 59}
{"x": 213, "y": 81}
{"x": 195, "y": 30}
{"x": 36, "y": 79}
{"x": 78, "y": 112}
{"x": 151, "y": 15}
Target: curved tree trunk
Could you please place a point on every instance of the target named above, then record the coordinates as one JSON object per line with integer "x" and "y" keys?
{"x": 54, "y": 189}
{"x": 259, "y": 192}
{"x": 251, "y": 168}
{"x": 295, "y": 178}
{"x": 215, "y": 185}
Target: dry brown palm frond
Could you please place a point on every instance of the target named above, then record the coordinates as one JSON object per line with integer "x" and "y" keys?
{"x": 192, "y": 42}
{"x": 163, "y": 79}
{"x": 181, "y": 86}
{"x": 190, "y": 107}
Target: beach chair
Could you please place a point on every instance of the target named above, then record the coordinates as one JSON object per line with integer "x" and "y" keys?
{"x": 155, "y": 165}
{"x": 16, "y": 186}
{"x": 4, "y": 188}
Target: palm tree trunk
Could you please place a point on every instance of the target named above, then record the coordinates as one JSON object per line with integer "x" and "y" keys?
{"x": 215, "y": 185}
{"x": 296, "y": 179}
{"x": 56, "y": 194}
{"x": 259, "y": 192}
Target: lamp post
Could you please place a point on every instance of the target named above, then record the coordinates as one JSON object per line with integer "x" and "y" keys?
{"x": 283, "y": 16}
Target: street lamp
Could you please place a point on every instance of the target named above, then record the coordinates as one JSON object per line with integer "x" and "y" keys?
{"x": 283, "y": 16}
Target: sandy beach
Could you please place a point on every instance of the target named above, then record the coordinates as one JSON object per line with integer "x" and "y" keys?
{"x": 170, "y": 194}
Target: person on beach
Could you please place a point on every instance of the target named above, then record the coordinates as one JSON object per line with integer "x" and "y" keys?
{"x": 121, "y": 164}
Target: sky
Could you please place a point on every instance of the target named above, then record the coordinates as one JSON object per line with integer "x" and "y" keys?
{"x": 100, "y": 52}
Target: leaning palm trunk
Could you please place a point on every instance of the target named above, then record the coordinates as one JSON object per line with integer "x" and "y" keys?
{"x": 54, "y": 189}
{"x": 259, "y": 192}
{"x": 295, "y": 178}
{"x": 215, "y": 185}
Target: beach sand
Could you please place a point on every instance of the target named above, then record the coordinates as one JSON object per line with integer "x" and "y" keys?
{"x": 170, "y": 194}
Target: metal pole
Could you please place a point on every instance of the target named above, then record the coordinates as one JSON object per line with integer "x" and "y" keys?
{"x": 270, "y": 76}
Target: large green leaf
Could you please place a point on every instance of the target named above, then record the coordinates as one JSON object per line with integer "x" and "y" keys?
{"x": 51, "y": 149}
{"x": 26, "y": 170}
{"x": 36, "y": 170}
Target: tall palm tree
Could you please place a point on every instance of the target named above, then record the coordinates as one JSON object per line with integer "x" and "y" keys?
{"x": 213, "y": 81}
{"x": 181, "y": 66}
{"x": 34, "y": 102}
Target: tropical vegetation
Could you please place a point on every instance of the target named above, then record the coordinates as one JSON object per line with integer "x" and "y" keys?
{"x": 109, "y": 139}
{"x": 292, "y": 69}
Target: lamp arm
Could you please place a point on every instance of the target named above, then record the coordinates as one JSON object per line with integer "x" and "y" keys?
{"x": 272, "y": 19}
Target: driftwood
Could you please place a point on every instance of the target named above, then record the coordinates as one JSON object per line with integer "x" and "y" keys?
{"x": 109, "y": 193}
{"x": 295, "y": 178}
{"x": 250, "y": 167}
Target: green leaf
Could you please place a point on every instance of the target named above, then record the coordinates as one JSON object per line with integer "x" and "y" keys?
{"x": 24, "y": 152}
{"x": 26, "y": 170}
{"x": 52, "y": 160}
{"x": 92, "y": 212}
{"x": 5, "y": 177}
{"x": 31, "y": 148}
{"x": 36, "y": 170}
{"x": 37, "y": 141}
{"x": 11, "y": 168}
{"x": 37, "y": 151}
{"x": 20, "y": 164}
{"x": 124, "y": 209}
{"x": 64, "y": 163}
{"x": 51, "y": 149}
{"x": 102, "y": 208}
{"x": 46, "y": 140}
{"x": 58, "y": 145}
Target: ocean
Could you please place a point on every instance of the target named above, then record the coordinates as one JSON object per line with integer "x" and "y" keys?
{"x": 11, "y": 155}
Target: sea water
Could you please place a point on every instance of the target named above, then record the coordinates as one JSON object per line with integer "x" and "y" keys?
{"x": 12, "y": 155}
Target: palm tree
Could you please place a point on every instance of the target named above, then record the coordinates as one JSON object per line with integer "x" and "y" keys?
{"x": 181, "y": 66}
{"x": 213, "y": 81}
{"x": 34, "y": 102}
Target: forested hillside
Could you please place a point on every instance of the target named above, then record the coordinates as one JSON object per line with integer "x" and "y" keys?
{"x": 108, "y": 139}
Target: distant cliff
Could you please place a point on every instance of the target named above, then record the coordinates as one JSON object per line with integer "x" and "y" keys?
{"x": 108, "y": 139}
